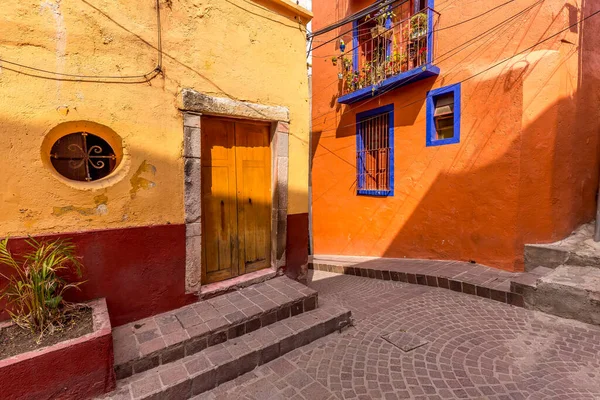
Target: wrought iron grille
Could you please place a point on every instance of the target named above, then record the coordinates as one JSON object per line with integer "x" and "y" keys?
{"x": 82, "y": 156}
{"x": 388, "y": 43}
{"x": 373, "y": 155}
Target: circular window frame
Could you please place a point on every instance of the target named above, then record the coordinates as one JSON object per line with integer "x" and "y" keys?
{"x": 103, "y": 132}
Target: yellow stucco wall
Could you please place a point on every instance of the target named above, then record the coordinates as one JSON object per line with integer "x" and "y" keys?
{"x": 245, "y": 50}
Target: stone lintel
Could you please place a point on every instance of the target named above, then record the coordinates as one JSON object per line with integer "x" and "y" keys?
{"x": 193, "y": 101}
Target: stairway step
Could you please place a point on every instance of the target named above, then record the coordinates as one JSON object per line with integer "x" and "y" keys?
{"x": 145, "y": 344}
{"x": 578, "y": 249}
{"x": 569, "y": 291}
{"x": 195, "y": 374}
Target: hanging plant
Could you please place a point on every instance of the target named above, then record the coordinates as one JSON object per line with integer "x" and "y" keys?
{"x": 381, "y": 19}
{"x": 418, "y": 25}
{"x": 347, "y": 63}
{"x": 334, "y": 60}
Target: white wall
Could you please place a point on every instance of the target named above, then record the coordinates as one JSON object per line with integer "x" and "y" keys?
{"x": 308, "y": 5}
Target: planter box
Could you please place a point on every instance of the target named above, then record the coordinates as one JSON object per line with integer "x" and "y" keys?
{"x": 79, "y": 368}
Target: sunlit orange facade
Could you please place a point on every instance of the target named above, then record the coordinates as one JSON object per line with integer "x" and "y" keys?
{"x": 522, "y": 166}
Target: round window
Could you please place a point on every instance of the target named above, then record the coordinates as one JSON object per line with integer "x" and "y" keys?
{"x": 82, "y": 156}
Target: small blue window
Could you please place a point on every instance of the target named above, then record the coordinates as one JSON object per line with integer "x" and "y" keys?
{"x": 443, "y": 116}
{"x": 375, "y": 151}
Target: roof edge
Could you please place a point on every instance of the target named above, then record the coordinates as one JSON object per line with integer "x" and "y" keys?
{"x": 293, "y": 8}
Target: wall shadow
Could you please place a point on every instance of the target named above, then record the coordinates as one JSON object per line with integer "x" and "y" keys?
{"x": 537, "y": 190}
{"x": 139, "y": 267}
{"x": 525, "y": 171}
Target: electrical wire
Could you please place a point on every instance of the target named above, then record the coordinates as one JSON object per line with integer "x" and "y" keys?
{"x": 92, "y": 78}
{"x": 433, "y": 31}
{"x": 493, "y": 65}
{"x": 442, "y": 57}
{"x": 379, "y": 4}
{"x": 361, "y": 24}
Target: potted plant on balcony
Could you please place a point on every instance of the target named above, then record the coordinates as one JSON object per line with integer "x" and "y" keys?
{"x": 346, "y": 73}
{"x": 381, "y": 18}
{"x": 399, "y": 62}
{"x": 418, "y": 26}
{"x": 45, "y": 327}
{"x": 422, "y": 55}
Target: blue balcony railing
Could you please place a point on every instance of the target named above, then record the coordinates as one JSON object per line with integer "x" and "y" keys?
{"x": 387, "y": 52}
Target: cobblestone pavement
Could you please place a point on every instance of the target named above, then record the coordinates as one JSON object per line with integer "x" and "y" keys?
{"x": 476, "y": 349}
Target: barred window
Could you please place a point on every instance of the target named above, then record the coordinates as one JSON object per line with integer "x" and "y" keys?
{"x": 375, "y": 152}
{"x": 82, "y": 156}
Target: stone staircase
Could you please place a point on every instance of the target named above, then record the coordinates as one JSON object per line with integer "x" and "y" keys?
{"x": 577, "y": 249}
{"x": 563, "y": 278}
{"x": 182, "y": 353}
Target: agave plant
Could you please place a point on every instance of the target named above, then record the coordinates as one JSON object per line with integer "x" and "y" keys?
{"x": 35, "y": 288}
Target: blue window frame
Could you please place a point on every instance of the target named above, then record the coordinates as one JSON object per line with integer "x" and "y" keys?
{"x": 443, "y": 116}
{"x": 375, "y": 151}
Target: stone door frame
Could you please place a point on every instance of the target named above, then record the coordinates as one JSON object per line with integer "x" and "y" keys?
{"x": 193, "y": 106}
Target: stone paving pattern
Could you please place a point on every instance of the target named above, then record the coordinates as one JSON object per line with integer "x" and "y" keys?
{"x": 470, "y": 278}
{"x": 183, "y": 378}
{"x": 477, "y": 349}
{"x": 166, "y": 337}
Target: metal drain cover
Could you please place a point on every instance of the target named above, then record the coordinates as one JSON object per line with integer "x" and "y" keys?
{"x": 405, "y": 341}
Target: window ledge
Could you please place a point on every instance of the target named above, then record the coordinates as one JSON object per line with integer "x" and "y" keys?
{"x": 395, "y": 82}
{"x": 372, "y": 192}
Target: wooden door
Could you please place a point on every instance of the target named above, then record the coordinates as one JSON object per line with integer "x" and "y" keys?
{"x": 219, "y": 203}
{"x": 236, "y": 198}
{"x": 253, "y": 173}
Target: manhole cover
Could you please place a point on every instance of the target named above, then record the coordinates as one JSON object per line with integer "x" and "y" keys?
{"x": 405, "y": 341}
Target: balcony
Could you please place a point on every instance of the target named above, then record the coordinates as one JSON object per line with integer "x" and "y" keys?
{"x": 390, "y": 49}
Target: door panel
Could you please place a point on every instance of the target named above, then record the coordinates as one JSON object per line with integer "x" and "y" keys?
{"x": 253, "y": 170}
{"x": 219, "y": 208}
{"x": 236, "y": 198}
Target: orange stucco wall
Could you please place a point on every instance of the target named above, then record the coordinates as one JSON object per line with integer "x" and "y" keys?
{"x": 526, "y": 167}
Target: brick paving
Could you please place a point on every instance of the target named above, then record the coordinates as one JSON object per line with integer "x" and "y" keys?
{"x": 459, "y": 276}
{"x": 194, "y": 374}
{"x": 145, "y": 344}
{"x": 476, "y": 349}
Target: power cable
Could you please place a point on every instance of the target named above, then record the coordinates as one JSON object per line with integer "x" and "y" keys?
{"x": 433, "y": 31}
{"x": 93, "y": 78}
{"x": 379, "y": 4}
{"x": 361, "y": 24}
{"x": 441, "y": 58}
{"x": 494, "y": 65}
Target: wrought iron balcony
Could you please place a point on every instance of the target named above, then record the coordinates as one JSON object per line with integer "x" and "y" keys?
{"x": 387, "y": 52}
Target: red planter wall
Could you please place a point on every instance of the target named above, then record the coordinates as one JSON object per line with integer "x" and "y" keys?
{"x": 76, "y": 369}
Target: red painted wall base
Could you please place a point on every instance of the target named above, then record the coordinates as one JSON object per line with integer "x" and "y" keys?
{"x": 140, "y": 271}
{"x": 297, "y": 246}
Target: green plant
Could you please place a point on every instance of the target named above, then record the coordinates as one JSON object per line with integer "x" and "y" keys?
{"x": 35, "y": 288}
{"x": 347, "y": 63}
{"x": 383, "y": 15}
{"x": 418, "y": 25}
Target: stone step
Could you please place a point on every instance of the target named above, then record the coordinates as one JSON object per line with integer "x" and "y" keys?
{"x": 145, "y": 344}
{"x": 195, "y": 374}
{"x": 578, "y": 249}
{"x": 568, "y": 291}
{"x": 459, "y": 276}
